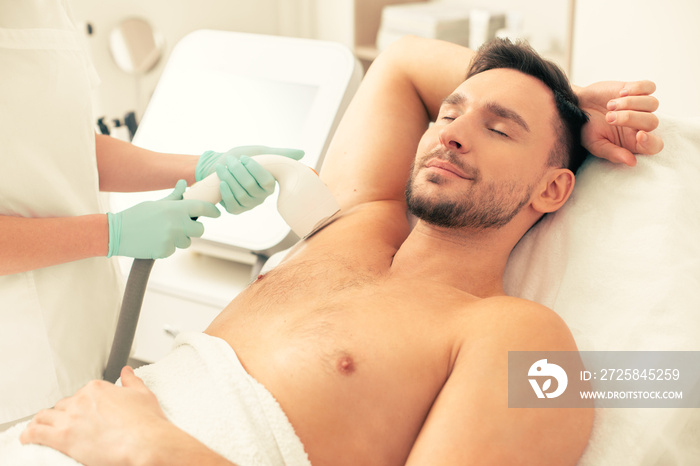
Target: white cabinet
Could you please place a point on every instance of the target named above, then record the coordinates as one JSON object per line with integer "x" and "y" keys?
{"x": 163, "y": 317}
{"x": 546, "y": 23}
{"x": 185, "y": 292}
{"x": 353, "y": 23}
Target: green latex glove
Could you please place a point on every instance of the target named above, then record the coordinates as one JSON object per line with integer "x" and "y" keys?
{"x": 244, "y": 182}
{"x": 153, "y": 229}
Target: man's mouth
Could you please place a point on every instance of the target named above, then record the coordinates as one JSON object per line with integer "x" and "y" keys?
{"x": 446, "y": 167}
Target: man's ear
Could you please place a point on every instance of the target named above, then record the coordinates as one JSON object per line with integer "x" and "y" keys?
{"x": 554, "y": 189}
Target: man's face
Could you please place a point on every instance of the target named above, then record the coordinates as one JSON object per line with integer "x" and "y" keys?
{"x": 477, "y": 166}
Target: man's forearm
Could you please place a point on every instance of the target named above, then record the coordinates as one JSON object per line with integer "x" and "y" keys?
{"x": 175, "y": 447}
{"x": 375, "y": 143}
{"x": 107, "y": 424}
{"x": 124, "y": 167}
{"x": 435, "y": 68}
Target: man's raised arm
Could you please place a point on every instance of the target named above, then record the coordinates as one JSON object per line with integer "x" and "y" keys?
{"x": 375, "y": 144}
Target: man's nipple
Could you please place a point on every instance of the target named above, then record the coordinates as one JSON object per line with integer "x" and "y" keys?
{"x": 345, "y": 364}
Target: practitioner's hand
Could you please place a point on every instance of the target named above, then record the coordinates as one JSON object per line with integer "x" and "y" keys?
{"x": 101, "y": 423}
{"x": 621, "y": 120}
{"x": 154, "y": 229}
{"x": 244, "y": 182}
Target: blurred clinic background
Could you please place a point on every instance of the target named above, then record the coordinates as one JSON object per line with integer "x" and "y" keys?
{"x": 591, "y": 39}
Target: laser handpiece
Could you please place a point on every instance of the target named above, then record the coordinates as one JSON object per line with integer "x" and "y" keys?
{"x": 304, "y": 202}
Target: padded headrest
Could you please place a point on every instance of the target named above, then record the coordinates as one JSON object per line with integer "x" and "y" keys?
{"x": 620, "y": 263}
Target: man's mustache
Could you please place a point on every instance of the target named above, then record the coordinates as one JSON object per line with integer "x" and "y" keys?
{"x": 453, "y": 158}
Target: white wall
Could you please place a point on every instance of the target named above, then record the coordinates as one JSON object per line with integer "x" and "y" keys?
{"x": 642, "y": 39}
{"x": 334, "y": 20}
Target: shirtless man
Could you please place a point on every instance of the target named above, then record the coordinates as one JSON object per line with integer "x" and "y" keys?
{"x": 386, "y": 345}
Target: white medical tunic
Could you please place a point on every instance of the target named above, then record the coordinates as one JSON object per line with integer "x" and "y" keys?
{"x": 56, "y": 323}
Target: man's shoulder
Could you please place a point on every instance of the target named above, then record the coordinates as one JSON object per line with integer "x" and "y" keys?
{"x": 520, "y": 307}
{"x": 473, "y": 402}
{"x": 517, "y": 324}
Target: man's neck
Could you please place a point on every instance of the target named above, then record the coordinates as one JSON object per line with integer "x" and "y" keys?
{"x": 472, "y": 261}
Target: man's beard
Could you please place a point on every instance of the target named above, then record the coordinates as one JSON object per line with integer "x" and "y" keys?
{"x": 484, "y": 205}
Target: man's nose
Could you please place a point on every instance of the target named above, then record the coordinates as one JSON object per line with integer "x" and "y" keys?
{"x": 455, "y": 135}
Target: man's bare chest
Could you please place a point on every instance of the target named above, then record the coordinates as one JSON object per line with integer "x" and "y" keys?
{"x": 340, "y": 317}
{"x": 346, "y": 346}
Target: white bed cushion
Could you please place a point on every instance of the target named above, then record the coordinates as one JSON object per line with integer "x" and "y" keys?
{"x": 620, "y": 263}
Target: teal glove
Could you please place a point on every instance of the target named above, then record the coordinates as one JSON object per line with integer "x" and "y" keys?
{"x": 244, "y": 182}
{"x": 153, "y": 229}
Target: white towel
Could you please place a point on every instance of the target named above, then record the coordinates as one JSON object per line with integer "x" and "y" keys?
{"x": 620, "y": 263}
{"x": 204, "y": 390}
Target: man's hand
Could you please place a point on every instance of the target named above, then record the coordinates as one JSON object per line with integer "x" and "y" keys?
{"x": 621, "y": 119}
{"x": 103, "y": 424}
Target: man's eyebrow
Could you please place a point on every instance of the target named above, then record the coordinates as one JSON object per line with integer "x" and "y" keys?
{"x": 454, "y": 99}
{"x": 503, "y": 112}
